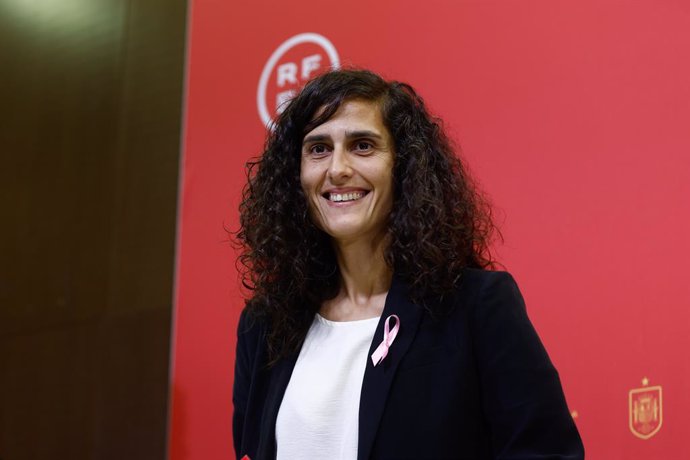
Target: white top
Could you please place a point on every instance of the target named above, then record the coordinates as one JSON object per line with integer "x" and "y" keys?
{"x": 319, "y": 415}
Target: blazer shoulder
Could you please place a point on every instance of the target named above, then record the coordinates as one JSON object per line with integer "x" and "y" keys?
{"x": 476, "y": 284}
{"x": 251, "y": 338}
{"x": 250, "y": 325}
{"x": 480, "y": 277}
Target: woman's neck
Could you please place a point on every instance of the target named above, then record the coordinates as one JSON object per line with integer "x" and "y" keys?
{"x": 365, "y": 279}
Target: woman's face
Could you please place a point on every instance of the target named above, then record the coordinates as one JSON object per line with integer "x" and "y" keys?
{"x": 347, "y": 172}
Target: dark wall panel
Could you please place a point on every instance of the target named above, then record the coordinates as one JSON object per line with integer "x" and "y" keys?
{"x": 90, "y": 123}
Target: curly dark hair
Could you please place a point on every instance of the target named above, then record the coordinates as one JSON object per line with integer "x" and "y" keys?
{"x": 439, "y": 224}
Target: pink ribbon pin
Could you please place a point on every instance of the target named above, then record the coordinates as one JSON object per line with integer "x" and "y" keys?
{"x": 388, "y": 336}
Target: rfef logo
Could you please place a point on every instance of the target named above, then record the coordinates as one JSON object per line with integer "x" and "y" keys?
{"x": 645, "y": 410}
{"x": 291, "y": 65}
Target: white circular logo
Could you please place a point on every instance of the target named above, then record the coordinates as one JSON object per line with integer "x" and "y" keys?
{"x": 291, "y": 65}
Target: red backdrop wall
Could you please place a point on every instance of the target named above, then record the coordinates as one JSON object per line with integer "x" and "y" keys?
{"x": 573, "y": 115}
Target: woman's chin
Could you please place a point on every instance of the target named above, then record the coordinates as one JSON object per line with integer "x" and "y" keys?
{"x": 353, "y": 234}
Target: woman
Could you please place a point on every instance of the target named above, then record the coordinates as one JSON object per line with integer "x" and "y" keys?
{"x": 374, "y": 330}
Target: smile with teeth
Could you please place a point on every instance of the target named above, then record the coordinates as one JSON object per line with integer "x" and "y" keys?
{"x": 351, "y": 196}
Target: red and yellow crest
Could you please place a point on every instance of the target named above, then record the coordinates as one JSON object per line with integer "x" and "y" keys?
{"x": 645, "y": 410}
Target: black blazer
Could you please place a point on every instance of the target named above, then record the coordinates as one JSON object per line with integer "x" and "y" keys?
{"x": 476, "y": 384}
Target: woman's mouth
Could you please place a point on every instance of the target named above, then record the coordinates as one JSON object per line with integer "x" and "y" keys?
{"x": 343, "y": 197}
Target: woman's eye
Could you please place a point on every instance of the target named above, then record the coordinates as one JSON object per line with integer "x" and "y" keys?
{"x": 362, "y": 145}
{"x": 318, "y": 149}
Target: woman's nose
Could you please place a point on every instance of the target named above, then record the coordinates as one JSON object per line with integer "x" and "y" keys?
{"x": 339, "y": 166}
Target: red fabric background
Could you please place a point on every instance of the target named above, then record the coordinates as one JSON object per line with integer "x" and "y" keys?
{"x": 573, "y": 115}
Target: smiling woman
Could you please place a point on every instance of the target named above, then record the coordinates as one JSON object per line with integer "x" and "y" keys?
{"x": 375, "y": 328}
{"x": 346, "y": 173}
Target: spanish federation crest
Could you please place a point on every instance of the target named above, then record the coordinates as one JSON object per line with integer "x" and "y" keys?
{"x": 645, "y": 410}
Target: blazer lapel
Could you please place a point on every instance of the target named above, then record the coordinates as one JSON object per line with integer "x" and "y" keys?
{"x": 280, "y": 376}
{"x": 377, "y": 380}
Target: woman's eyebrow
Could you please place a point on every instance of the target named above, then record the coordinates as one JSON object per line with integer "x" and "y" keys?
{"x": 348, "y": 134}
{"x": 316, "y": 138}
{"x": 362, "y": 133}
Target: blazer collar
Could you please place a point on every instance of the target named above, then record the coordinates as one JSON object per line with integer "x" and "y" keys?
{"x": 280, "y": 376}
{"x": 377, "y": 380}
{"x": 376, "y": 383}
